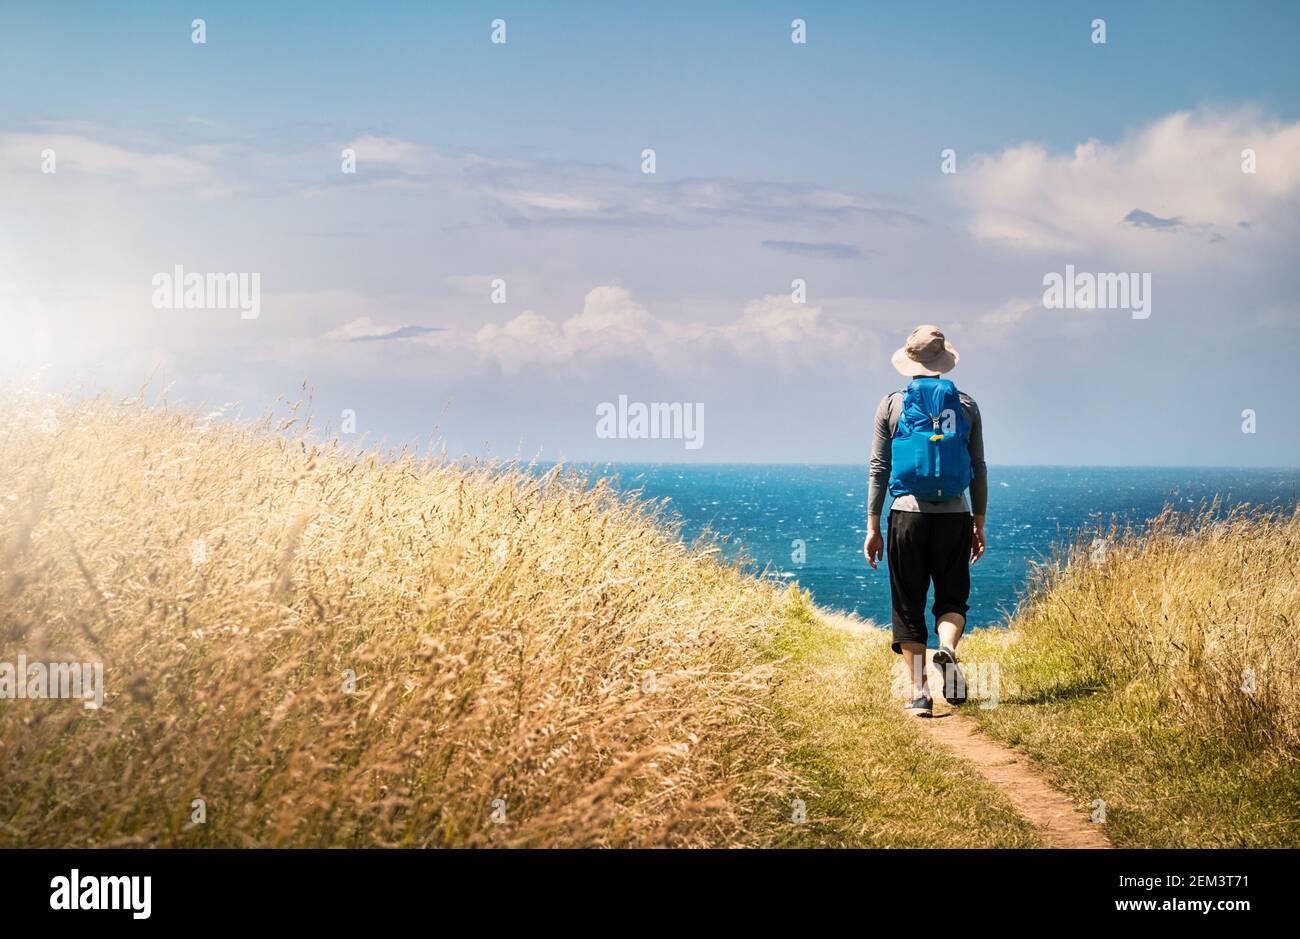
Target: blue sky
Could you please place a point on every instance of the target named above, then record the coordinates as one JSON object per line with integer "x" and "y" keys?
{"x": 775, "y": 161}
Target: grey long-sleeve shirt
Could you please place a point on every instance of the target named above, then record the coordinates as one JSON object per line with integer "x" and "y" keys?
{"x": 891, "y": 406}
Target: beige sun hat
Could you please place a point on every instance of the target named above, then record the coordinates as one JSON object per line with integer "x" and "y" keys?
{"x": 926, "y": 353}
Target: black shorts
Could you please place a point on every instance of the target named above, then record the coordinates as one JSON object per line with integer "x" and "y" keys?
{"x": 924, "y": 547}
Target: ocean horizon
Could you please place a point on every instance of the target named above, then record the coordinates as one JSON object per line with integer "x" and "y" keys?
{"x": 805, "y": 523}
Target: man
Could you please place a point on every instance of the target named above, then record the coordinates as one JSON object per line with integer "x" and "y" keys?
{"x": 928, "y": 448}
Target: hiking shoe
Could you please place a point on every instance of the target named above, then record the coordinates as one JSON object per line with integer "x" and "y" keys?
{"x": 920, "y": 707}
{"x": 954, "y": 681}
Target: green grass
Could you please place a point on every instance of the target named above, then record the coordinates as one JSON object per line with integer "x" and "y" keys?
{"x": 874, "y": 778}
{"x": 1123, "y": 681}
{"x": 1164, "y": 784}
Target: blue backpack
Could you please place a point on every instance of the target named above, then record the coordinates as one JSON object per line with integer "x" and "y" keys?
{"x": 930, "y": 451}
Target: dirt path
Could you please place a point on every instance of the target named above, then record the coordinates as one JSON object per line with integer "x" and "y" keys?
{"x": 1059, "y": 821}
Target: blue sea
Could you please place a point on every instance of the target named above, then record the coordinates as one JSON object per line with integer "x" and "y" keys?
{"x": 764, "y": 509}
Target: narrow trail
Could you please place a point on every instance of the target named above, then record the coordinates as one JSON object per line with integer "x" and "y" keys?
{"x": 1059, "y": 821}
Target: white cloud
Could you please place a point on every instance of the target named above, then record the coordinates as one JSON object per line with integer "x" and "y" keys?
{"x": 1185, "y": 167}
{"x": 404, "y": 155}
{"x": 361, "y": 328}
{"x": 558, "y": 202}
{"x": 775, "y": 327}
{"x": 79, "y": 155}
{"x": 1011, "y": 312}
{"x": 612, "y": 325}
{"x": 575, "y": 195}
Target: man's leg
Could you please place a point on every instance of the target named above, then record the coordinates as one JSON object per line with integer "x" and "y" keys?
{"x": 950, "y": 567}
{"x": 948, "y": 559}
{"x": 950, "y": 628}
{"x": 914, "y": 662}
{"x": 909, "y": 582}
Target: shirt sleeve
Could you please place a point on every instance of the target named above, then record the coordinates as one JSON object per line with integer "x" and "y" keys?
{"x": 878, "y": 477}
{"x": 979, "y": 471}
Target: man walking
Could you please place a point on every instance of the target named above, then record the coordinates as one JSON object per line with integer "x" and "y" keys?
{"x": 927, "y": 450}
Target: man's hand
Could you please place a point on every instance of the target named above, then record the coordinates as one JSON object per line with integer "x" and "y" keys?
{"x": 873, "y": 547}
{"x": 977, "y": 539}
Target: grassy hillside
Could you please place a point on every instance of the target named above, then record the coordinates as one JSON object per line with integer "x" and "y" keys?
{"x": 335, "y": 648}
{"x": 1156, "y": 671}
{"x": 513, "y": 637}
{"x": 331, "y": 648}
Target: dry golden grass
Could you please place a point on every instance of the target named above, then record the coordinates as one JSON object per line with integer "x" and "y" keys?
{"x": 1198, "y": 614}
{"x": 501, "y": 626}
{"x": 1158, "y": 673}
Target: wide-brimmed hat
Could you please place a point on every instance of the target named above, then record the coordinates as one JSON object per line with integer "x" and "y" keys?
{"x": 926, "y": 352}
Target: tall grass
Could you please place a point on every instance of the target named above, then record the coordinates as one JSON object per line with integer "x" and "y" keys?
{"x": 537, "y": 660}
{"x": 1195, "y": 615}
{"x": 1154, "y": 670}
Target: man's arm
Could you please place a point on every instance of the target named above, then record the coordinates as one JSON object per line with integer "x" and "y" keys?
{"x": 979, "y": 481}
{"x": 979, "y": 471}
{"x": 878, "y": 477}
{"x": 877, "y": 482}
